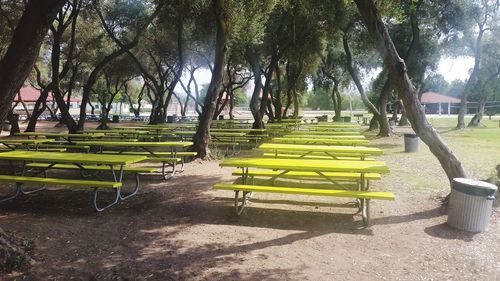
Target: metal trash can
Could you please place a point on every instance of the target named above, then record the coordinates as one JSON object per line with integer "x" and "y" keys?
{"x": 116, "y": 118}
{"x": 346, "y": 119}
{"x": 470, "y": 206}
{"x": 411, "y": 143}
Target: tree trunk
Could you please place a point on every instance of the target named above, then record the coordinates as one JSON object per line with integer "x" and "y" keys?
{"x": 253, "y": 60}
{"x": 15, "y": 67}
{"x": 403, "y": 121}
{"x": 373, "y": 124}
{"x": 39, "y": 108}
{"x": 23, "y": 50}
{"x": 14, "y": 122}
{"x": 476, "y": 120}
{"x": 337, "y": 101}
{"x": 471, "y": 81}
{"x": 295, "y": 96}
{"x": 12, "y": 255}
{"x": 382, "y": 119}
{"x": 385, "y": 129}
{"x": 277, "y": 95}
{"x": 202, "y": 137}
{"x": 401, "y": 81}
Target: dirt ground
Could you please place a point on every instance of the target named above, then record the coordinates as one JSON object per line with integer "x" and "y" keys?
{"x": 181, "y": 229}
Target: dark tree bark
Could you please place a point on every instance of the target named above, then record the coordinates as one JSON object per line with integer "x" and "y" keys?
{"x": 474, "y": 76}
{"x": 380, "y": 117}
{"x": 202, "y": 137}
{"x": 23, "y": 50}
{"x": 277, "y": 95}
{"x": 157, "y": 86}
{"x": 335, "y": 95}
{"x": 253, "y": 60}
{"x": 15, "y": 67}
{"x": 402, "y": 83}
{"x": 476, "y": 120}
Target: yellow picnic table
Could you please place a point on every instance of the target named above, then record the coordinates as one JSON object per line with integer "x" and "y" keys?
{"x": 332, "y": 137}
{"x": 330, "y": 151}
{"x": 322, "y": 168}
{"x": 325, "y": 132}
{"x": 145, "y": 148}
{"x": 320, "y": 141}
{"x": 24, "y": 143}
{"x": 81, "y": 161}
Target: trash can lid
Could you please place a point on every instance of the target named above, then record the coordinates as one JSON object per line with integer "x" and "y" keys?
{"x": 474, "y": 187}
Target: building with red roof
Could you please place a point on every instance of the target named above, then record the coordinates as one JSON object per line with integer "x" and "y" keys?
{"x": 436, "y": 103}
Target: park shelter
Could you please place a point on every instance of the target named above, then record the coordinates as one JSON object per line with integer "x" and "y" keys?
{"x": 436, "y": 103}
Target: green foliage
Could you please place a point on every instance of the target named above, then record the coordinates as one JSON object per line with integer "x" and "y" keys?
{"x": 320, "y": 99}
{"x": 240, "y": 98}
{"x": 435, "y": 82}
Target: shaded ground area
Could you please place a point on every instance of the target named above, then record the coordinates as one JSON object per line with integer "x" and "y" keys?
{"x": 182, "y": 230}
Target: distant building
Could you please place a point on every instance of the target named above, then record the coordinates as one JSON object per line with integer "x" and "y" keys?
{"x": 29, "y": 95}
{"x": 435, "y": 103}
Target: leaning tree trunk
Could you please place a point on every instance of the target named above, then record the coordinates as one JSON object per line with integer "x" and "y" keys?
{"x": 403, "y": 121}
{"x": 202, "y": 137}
{"x": 15, "y": 67}
{"x": 385, "y": 129}
{"x": 253, "y": 60}
{"x": 471, "y": 81}
{"x": 401, "y": 81}
{"x": 476, "y": 120}
{"x": 382, "y": 119}
{"x": 23, "y": 50}
{"x": 337, "y": 101}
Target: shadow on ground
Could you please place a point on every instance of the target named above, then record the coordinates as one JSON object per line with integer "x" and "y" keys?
{"x": 142, "y": 238}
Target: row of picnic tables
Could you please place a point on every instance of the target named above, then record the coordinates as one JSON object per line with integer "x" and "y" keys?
{"x": 103, "y": 156}
{"x": 324, "y": 159}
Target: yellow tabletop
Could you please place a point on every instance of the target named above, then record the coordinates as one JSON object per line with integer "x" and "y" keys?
{"x": 308, "y": 165}
{"x": 136, "y": 144}
{"x": 76, "y": 158}
{"x": 24, "y": 141}
{"x": 335, "y": 137}
{"x": 320, "y": 141}
{"x": 320, "y": 148}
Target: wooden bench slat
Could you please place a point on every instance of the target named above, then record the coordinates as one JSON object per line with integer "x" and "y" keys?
{"x": 308, "y": 191}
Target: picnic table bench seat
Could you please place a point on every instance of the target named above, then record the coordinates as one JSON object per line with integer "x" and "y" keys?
{"x": 60, "y": 145}
{"x": 364, "y": 196}
{"x": 308, "y": 175}
{"x": 160, "y": 153}
{"x": 20, "y": 180}
{"x": 314, "y": 156}
{"x": 132, "y": 169}
{"x": 47, "y": 149}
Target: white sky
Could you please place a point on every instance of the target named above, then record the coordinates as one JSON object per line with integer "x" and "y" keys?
{"x": 450, "y": 68}
{"x": 455, "y": 68}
